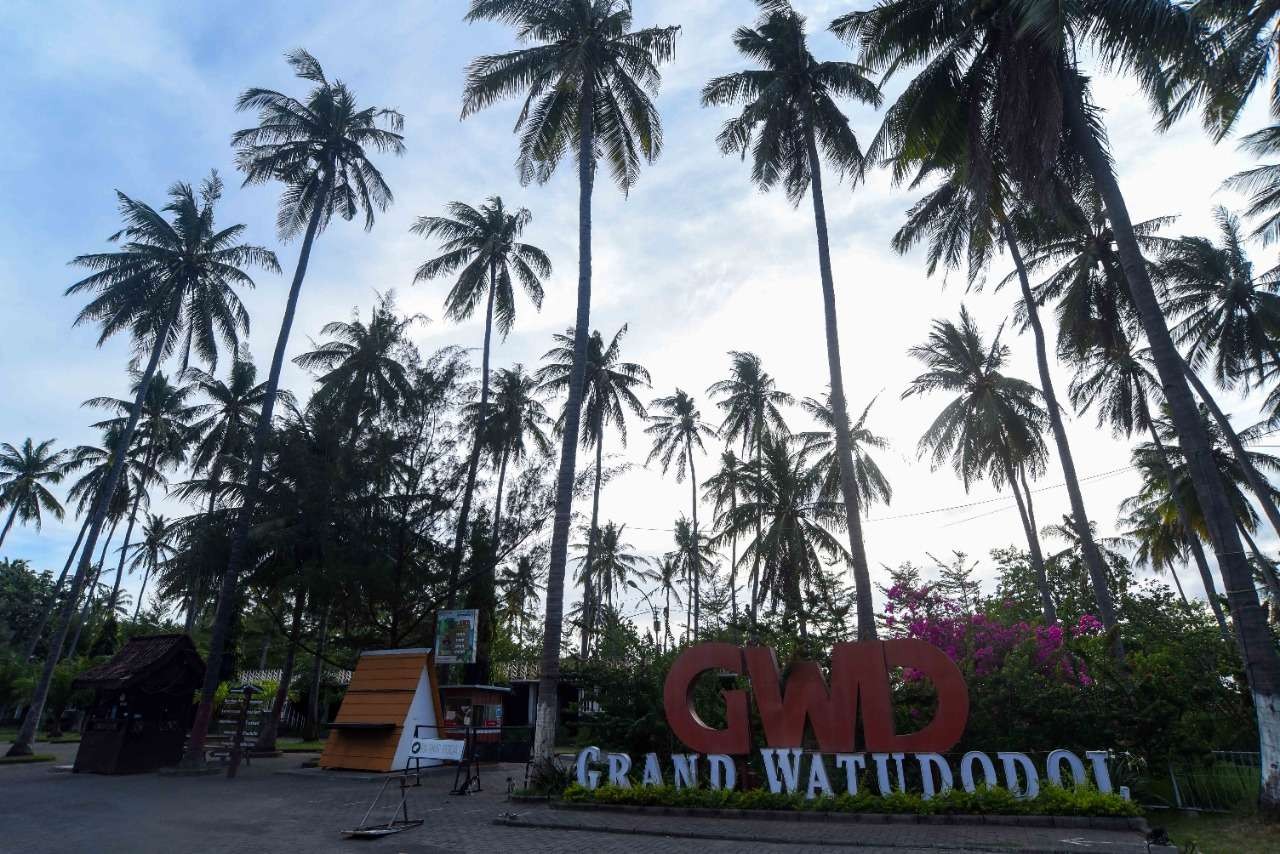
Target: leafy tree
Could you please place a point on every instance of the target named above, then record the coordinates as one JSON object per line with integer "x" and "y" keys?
{"x": 517, "y": 420}
{"x": 608, "y": 394}
{"x": 789, "y": 120}
{"x": 615, "y": 563}
{"x": 694, "y": 559}
{"x": 676, "y": 431}
{"x": 483, "y": 247}
{"x": 723, "y": 488}
{"x": 992, "y": 427}
{"x": 318, "y": 149}
{"x": 588, "y": 80}
{"x": 171, "y": 285}
{"x": 23, "y": 474}
{"x": 156, "y": 547}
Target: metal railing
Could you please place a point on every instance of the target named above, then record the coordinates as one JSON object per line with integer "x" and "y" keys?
{"x": 1223, "y": 783}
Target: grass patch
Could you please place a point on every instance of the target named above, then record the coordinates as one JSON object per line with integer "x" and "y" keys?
{"x": 300, "y": 746}
{"x": 27, "y": 760}
{"x": 65, "y": 739}
{"x": 1052, "y": 800}
{"x": 1215, "y": 833}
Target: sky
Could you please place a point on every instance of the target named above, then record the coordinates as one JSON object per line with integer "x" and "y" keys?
{"x": 133, "y": 96}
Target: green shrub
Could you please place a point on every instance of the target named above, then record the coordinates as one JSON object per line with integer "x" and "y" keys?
{"x": 1052, "y": 800}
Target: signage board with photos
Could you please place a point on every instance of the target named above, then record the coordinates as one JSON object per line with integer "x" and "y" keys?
{"x": 456, "y": 636}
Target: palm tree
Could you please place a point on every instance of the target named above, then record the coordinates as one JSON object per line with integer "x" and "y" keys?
{"x": 1032, "y": 46}
{"x": 517, "y": 419}
{"x": 608, "y": 393}
{"x": 993, "y": 427}
{"x": 667, "y": 575}
{"x": 222, "y": 427}
{"x": 318, "y": 149}
{"x": 1119, "y": 383}
{"x": 521, "y": 587}
{"x": 724, "y": 488}
{"x": 872, "y": 484}
{"x": 967, "y": 216}
{"x": 614, "y": 563}
{"x": 171, "y": 285}
{"x": 588, "y": 80}
{"x": 785, "y": 491}
{"x": 694, "y": 560}
{"x": 676, "y": 431}
{"x": 1161, "y": 545}
{"x": 155, "y": 549}
{"x": 483, "y": 247}
{"x": 163, "y": 435}
{"x": 23, "y": 474}
{"x": 752, "y": 404}
{"x": 789, "y": 119}
{"x": 1229, "y": 318}
{"x": 1262, "y": 183}
{"x": 361, "y": 368}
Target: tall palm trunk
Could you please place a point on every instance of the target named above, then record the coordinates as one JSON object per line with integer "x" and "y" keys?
{"x": 9, "y": 522}
{"x": 1261, "y": 660}
{"x": 473, "y": 463}
{"x": 1033, "y": 545}
{"x": 1258, "y": 485}
{"x": 1189, "y": 531}
{"x": 548, "y": 685}
{"x": 755, "y": 560}
{"x": 271, "y": 726}
{"x": 839, "y": 410}
{"x": 695, "y": 558}
{"x": 223, "y": 615}
{"x": 53, "y": 595}
{"x": 588, "y": 577}
{"x": 1092, "y": 556}
{"x": 22, "y": 745}
{"x": 497, "y": 501}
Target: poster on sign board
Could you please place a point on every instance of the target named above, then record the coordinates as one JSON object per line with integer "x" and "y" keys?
{"x": 456, "y": 637}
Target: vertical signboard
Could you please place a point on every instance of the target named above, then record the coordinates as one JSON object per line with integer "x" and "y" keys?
{"x": 456, "y": 637}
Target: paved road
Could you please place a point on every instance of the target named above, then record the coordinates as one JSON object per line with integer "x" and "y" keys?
{"x": 43, "y": 810}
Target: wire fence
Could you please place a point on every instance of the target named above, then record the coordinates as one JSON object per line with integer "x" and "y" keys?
{"x": 1226, "y": 781}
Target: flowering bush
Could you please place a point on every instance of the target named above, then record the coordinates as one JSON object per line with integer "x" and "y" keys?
{"x": 981, "y": 643}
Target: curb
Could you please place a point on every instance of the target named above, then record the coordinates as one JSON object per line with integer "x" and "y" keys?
{"x": 1064, "y": 822}
{"x": 726, "y": 836}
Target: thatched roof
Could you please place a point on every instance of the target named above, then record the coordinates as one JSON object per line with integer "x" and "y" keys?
{"x": 142, "y": 658}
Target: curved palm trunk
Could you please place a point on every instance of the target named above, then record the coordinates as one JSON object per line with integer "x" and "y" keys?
{"x": 548, "y": 685}
{"x": 9, "y": 522}
{"x": 1033, "y": 546}
{"x": 473, "y": 463}
{"x": 1261, "y": 660}
{"x": 137, "y": 609}
{"x": 839, "y": 410}
{"x": 22, "y": 744}
{"x": 53, "y": 595}
{"x": 223, "y": 614}
{"x": 87, "y": 610}
{"x": 1177, "y": 582}
{"x": 588, "y": 576}
{"x": 1189, "y": 531}
{"x": 1258, "y": 484}
{"x": 1092, "y": 556}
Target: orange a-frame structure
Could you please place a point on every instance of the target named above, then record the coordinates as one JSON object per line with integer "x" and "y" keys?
{"x": 392, "y": 693}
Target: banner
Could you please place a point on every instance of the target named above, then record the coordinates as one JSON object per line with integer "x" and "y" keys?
{"x": 456, "y": 637}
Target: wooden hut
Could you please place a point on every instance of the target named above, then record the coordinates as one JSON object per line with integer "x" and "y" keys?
{"x": 143, "y": 705}
{"x": 392, "y": 697}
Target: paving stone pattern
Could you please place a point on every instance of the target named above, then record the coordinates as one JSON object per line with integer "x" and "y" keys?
{"x": 43, "y": 810}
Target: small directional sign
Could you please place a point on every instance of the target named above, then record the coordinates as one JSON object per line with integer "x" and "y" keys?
{"x": 437, "y": 748}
